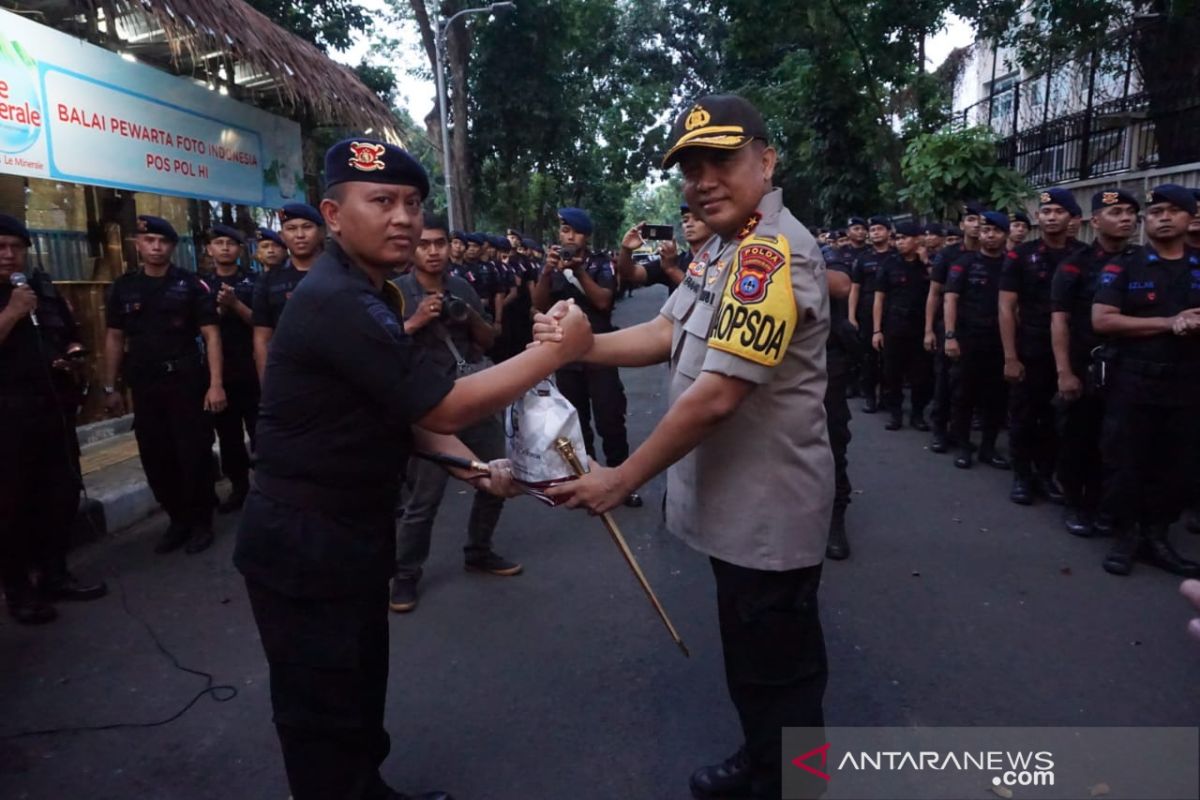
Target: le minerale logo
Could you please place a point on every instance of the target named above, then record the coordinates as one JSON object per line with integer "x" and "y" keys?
{"x": 20, "y": 101}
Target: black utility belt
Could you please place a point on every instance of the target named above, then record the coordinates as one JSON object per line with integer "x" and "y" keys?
{"x": 159, "y": 369}
{"x": 1156, "y": 369}
{"x": 325, "y": 499}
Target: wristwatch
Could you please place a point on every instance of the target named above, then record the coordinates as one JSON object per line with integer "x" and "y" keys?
{"x": 951, "y": 335}
{"x": 110, "y": 390}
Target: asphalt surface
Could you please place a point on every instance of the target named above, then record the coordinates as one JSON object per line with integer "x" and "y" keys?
{"x": 956, "y": 608}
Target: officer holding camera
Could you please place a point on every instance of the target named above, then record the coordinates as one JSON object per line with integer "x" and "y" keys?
{"x": 444, "y": 316}
{"x": 40, "y": 355}
{"x": 573, "y": 272}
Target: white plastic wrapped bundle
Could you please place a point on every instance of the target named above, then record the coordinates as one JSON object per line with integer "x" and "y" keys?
{"x": 532, "y": 425}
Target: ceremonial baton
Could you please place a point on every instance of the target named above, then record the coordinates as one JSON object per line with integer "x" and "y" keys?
{"x": 455, "y": 461}
{"x": 567, "y": 451}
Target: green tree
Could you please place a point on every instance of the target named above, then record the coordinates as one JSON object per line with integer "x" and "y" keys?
{"x": 329, "y": 24}
{"x": 941, "y": 169}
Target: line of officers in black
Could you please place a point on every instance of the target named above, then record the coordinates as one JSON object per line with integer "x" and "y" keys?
{"x": 1089, "y": 353}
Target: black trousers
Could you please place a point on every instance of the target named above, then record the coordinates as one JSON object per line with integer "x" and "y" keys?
{"x": 598, "y": 394}
{"x": 868, "y": 366}
{"x": 1080, "y": 466}
{"x": 231, "y": 425}
{"x": 775, "y": 663}
{"x": 1032, "y": 432}
{"x": 837, "y": 414}
{"x": 905, "y": 359}
{"x": 39, "y": 493}
{"x": 943, "y": 395}
{"x": 978, "y": 380}
{"x": 174, "y": 437}
{"x": 329, "y": 666}
{"x": 1151, "y": 447}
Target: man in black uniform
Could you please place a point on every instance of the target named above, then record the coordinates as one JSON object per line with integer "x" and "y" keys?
{"x": 572, "y": 271}
{"x": 481, "y": 274}
{"x": 1148, "y": 304}
{"x": 852, "y": 242}
{"x": 901, "y": 287}
{"x": 973, "y": 340}
{"x": 235, "y": 296}
{"x": 934, "y": 241}
{"x": 159, "y": 313}
{"x": 1028, "y": 355}
{"x": 862, "y": 304}
{"x": 269, "y": 249}
{"x": 669, "y": 266}
{"x": 39, "y": 454}
{"x": 345, "y": 404}
{"x": 935, "y": 328}
{"x": 303, "y": 232}
{"x": 1081, "y": 410}
{"x": 839, "y": 347}
{"x": 458, "y": 248}
{"x": 1018, "y": 228}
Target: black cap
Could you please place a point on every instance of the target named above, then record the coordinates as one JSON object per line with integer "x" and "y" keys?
{"x": 11, "y": 226}
{"x": 935, "y": 228}
{"x": 1021, "y": 216}
{"x": 268, "y": 235}
{"x": 881, "y": 219}
{"x": 1174, "y": 194}
{"x": 369, "y": 161}
{"x": 973, "y": 207}
{"x": 220, "y": 230}
{"x": 995, "y": 218}
{"x": 720, "y": 121}
{"x": 909, "y": 229}
{"x": 850, "y": 223}
{"x": 301, "y": 211}
{"x": 1060, "y": 197}
{"x": 1114, "y": 197}
{"x": 157, "y": 225}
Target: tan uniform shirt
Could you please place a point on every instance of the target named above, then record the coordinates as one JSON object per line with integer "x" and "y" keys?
{"x": 758, "y": 492}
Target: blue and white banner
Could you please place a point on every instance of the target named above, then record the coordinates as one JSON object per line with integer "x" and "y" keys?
{"x": 71, "y": 111}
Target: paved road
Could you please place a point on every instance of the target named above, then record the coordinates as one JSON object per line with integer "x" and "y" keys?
{"x": 957, "y": 608}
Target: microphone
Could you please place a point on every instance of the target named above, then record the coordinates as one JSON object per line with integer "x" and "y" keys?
{"x": 18, "y": 280}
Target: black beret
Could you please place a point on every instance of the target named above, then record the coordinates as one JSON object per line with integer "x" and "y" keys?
{"x": 953, "y": 230}
{"x": 880, "y": 219}
{"x": 220, "y": 230}
{"x": 717, "y": 121}
{"x": 1059, "y": 196}
{"x": 1112, "y": 197}
{"x": 684, "y": 208}
{"x": 476, "y": 238}
{"x": 850, "y": 223}
{"x": 268, "y": 235}
{"x": 839, "y": 234}
{"x": 11, "y": 226}
{"x": 157, "y": 225}
{"x": 1174, "y": 194}
{"x": 502, "y": 244}
{"x": 973, "y": 207}
{"x": 301, "y": 211}
{"x": 459, "y": 235}
{"x": 529, "y": 244}
{"x": 369, "y": 161}
{"x": 997, "y": 219}
{"x": 1020, "y": 216}
{"x": 909, "y": 229}
{"x": 577, "y": 218}
{"x": 935, "y": 228}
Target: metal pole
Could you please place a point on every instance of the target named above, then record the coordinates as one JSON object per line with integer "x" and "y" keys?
{"x": 439, "y": 49}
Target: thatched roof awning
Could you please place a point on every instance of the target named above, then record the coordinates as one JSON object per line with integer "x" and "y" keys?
{"x": 228, "y": 45}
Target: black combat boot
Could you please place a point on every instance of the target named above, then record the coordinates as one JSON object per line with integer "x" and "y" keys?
{"x": 988, "y": 454}
{"x": 729, "y": 779}
{"x": 201, "y": 539}
{"x": 1119, "y": 560}
{"x": 938, "y": 443}
{"x": 917, "y": 420}
{"x": 895, "y": 422}
{"x": 236, "y": 499}
{"x": 1022, "y": 490}
{"x": 838, "y": 547}
{"x": 173, "y": 537}
{"x": 1157, "y": 550}
{"x": 1078, "y": 522}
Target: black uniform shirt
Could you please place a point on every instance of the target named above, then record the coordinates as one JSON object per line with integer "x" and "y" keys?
{"x": 1028, "y": 271}
{"x": 841, "y": 333}
{"x": 866, "y": 266}
{"x": 905, "y": 285}
{"x": 272, "y": 292}
{"x": 1142, "y": 284}
{"x": 486, "y": 282}
{"x": 975, "y": 278}
{"x": 237, "y": 335}
{"x": 161, "y": 317}
{"x": 600, "y": 270}
{"x": 27, "y": 352}
{"x": 1072, "y": 290}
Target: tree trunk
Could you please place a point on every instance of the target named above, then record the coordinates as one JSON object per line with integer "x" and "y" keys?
{"x": 459, "y": 46}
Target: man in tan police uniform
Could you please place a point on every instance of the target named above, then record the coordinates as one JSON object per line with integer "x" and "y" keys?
{"x": 750, "y": 482}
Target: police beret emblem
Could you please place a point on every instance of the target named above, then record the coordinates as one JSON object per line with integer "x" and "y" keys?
{"x": 698, "y": 118}
{"x": 1044, "y": 197}
{"x": 1110, "y": 198}
{"x": 142, "y": 227}
{"x": 366, "y": 156}
{"x": 1149, "y": 197}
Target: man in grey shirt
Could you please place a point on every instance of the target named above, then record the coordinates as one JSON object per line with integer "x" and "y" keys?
{"x": 745, "y": 442}
{"x": 444, "y": 316}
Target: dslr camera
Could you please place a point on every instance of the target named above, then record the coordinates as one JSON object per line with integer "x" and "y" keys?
{"x": 454, "y": 309}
